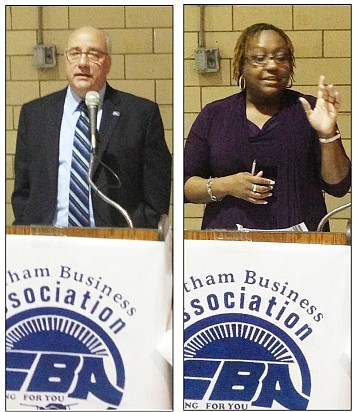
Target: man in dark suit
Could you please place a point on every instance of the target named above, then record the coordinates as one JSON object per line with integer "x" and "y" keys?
{"x": 131, "y": 144}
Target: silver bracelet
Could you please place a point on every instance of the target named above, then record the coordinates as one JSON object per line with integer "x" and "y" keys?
{"x": 209, "y": 190}
{"x": 331, "y": 139}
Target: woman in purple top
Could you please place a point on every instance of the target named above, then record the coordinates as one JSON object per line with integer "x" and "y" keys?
{"x": 262, "y": 158}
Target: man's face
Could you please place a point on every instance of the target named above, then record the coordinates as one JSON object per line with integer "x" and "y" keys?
{"x": 87, "y": 72}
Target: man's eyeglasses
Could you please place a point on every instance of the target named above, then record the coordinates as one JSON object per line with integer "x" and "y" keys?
{"x": 261, "y": 60}
{"x": 94, "y": 56}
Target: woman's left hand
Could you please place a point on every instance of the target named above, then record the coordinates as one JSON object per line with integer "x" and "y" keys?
{"x": 323, "y": 117}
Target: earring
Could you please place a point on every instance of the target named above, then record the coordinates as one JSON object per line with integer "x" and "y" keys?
{"x": 290, "y": 84}
{"x": 241, "y": 82}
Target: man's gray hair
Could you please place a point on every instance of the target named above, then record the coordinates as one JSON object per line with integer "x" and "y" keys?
{"x": 107, "y": 39}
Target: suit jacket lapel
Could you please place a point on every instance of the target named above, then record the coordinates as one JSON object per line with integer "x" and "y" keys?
{"x": 110, "y": 122}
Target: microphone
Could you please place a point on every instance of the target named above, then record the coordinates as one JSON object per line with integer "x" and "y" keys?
{"x": 92, "y": 103}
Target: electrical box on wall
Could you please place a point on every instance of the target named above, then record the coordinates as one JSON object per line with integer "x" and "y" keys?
{"x": 44, "y": 56}
{"x": 207, "y": 60}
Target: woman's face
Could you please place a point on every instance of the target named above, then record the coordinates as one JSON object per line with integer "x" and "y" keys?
{"x": 267, "y": 65}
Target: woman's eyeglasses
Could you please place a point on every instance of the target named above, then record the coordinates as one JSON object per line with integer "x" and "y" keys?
{"x": 261, "y": 60}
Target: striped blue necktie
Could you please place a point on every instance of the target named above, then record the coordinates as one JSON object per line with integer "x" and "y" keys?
{"x": 79, "y": 188}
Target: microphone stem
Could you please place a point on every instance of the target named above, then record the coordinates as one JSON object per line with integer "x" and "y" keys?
{"x": 328, "y": 215}
{"x": 105, "y": 198}
{"x": 93, "y": 143}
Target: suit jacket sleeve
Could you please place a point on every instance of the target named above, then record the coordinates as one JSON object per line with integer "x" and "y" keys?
{"x": 157, "y": 171}
{"x": 21, "y": 190}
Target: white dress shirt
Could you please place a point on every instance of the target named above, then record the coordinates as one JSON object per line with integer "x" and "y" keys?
{"x": 67, "y": 132}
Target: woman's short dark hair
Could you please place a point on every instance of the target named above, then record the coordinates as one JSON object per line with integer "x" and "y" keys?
{"x": 246, "y": 36}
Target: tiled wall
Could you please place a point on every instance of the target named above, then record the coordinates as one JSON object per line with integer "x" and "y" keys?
{"x": 321, "y": 36}
{"x": 142, "y": 59}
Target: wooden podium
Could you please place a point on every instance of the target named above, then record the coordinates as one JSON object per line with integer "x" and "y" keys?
{"x": 88, "y": 311}
{"x": 279, "y": 237}
{"x": 267, "y": 320}
{"x": 108, "y": 233}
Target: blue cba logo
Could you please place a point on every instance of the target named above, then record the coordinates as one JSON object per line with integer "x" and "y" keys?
{"x": 244, "y": 359}
{"x": 56, "y": 358}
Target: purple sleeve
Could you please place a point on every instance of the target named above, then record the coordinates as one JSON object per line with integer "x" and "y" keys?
{"x": 196, "y": 152}
{"x": 337, "y": 190}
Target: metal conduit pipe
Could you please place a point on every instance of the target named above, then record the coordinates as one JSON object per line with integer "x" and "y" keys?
{"x": 40, "y": 25}
{"x": 202, "y": 27}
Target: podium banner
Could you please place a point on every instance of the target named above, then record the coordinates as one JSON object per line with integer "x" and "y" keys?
{"x": 266, "y": 326}
{"x": 84, "y": 318}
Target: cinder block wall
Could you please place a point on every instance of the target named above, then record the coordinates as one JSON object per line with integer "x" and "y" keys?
{"x": 142, "y": 59}
{"x": 321, "y": 36}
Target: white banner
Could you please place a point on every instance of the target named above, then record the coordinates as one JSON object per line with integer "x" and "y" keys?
{"x": 84, "y": 321}
{"x": 267, "y": 326}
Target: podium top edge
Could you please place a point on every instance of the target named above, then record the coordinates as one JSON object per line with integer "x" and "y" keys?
{"x": 328, "y": 238}
{"x": 106, "y": 233}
